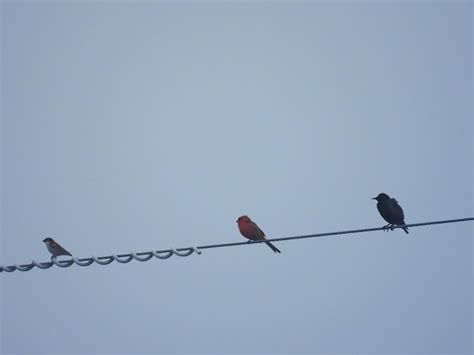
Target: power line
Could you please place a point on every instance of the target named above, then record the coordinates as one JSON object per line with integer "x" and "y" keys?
{"x": 183, "y": 252}
{"x": 329, "y": 234}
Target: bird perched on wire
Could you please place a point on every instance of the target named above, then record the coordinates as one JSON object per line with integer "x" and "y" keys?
{"x": 251, "y": 231}
{"x": 391, "y": 211}
{"x": 54, "y": 248}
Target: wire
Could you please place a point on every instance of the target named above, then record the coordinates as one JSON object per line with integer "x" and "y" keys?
{"x": 183, "y": 252}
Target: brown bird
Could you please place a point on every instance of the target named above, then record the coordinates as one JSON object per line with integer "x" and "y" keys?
{"x": 251, "y": 231}
{"x": 54, "y": 248}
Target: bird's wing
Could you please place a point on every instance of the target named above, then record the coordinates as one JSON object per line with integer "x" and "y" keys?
{"x": 260, "y": 232}
{"x": 60, "y": 249}
{"x": 398, "y": 210}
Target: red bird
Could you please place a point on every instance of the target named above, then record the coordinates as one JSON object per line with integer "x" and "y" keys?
{"x": 251, "y": 231}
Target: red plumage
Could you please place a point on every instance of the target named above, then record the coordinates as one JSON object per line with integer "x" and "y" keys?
{"x": 251, "y": 231}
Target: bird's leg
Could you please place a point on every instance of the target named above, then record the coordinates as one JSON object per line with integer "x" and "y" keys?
{"x": 392, "y": 227}
{"x": 386, "y": 228}
{"x": 250, "y": 241}
{"x": 53, "y": 257}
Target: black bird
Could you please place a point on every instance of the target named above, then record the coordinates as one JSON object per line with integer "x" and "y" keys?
{"x": 391, "y": 211}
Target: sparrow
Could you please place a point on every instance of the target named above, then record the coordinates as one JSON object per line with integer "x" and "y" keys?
{"x": 251, "y": 231}
{"x": 54, "y": 248}
{"x": 391, "y": 211}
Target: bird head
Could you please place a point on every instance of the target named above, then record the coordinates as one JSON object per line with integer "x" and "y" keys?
{"x": 381, "y": 197}
{"x": 47, "y": 240}
{"x": 243, "y": 219}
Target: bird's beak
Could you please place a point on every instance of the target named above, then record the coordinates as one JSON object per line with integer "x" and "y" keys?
{"x": 373, "y": 198}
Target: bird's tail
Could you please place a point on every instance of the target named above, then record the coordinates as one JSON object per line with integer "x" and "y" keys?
{"x": 274, "y": 248}
{"x": 405, "y": 228}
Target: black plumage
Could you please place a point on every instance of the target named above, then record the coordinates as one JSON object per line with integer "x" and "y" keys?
{"x": 391, "y": 211}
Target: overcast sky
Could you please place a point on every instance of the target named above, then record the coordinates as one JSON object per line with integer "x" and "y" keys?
{"x": 150, "y": 125}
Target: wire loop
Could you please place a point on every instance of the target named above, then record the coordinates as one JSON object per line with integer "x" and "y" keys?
{"x": 147, "y": 257}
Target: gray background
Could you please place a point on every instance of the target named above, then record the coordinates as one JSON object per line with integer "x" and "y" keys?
{"x": 140, "y": 125}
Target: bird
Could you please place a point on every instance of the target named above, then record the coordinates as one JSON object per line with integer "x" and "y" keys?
{"x": 391, "y": 211}
{"x": 251, "y": 231}
{"x": 54, "y": 248}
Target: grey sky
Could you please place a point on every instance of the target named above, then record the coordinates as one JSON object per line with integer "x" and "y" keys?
{"x": 140, "y": 125}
